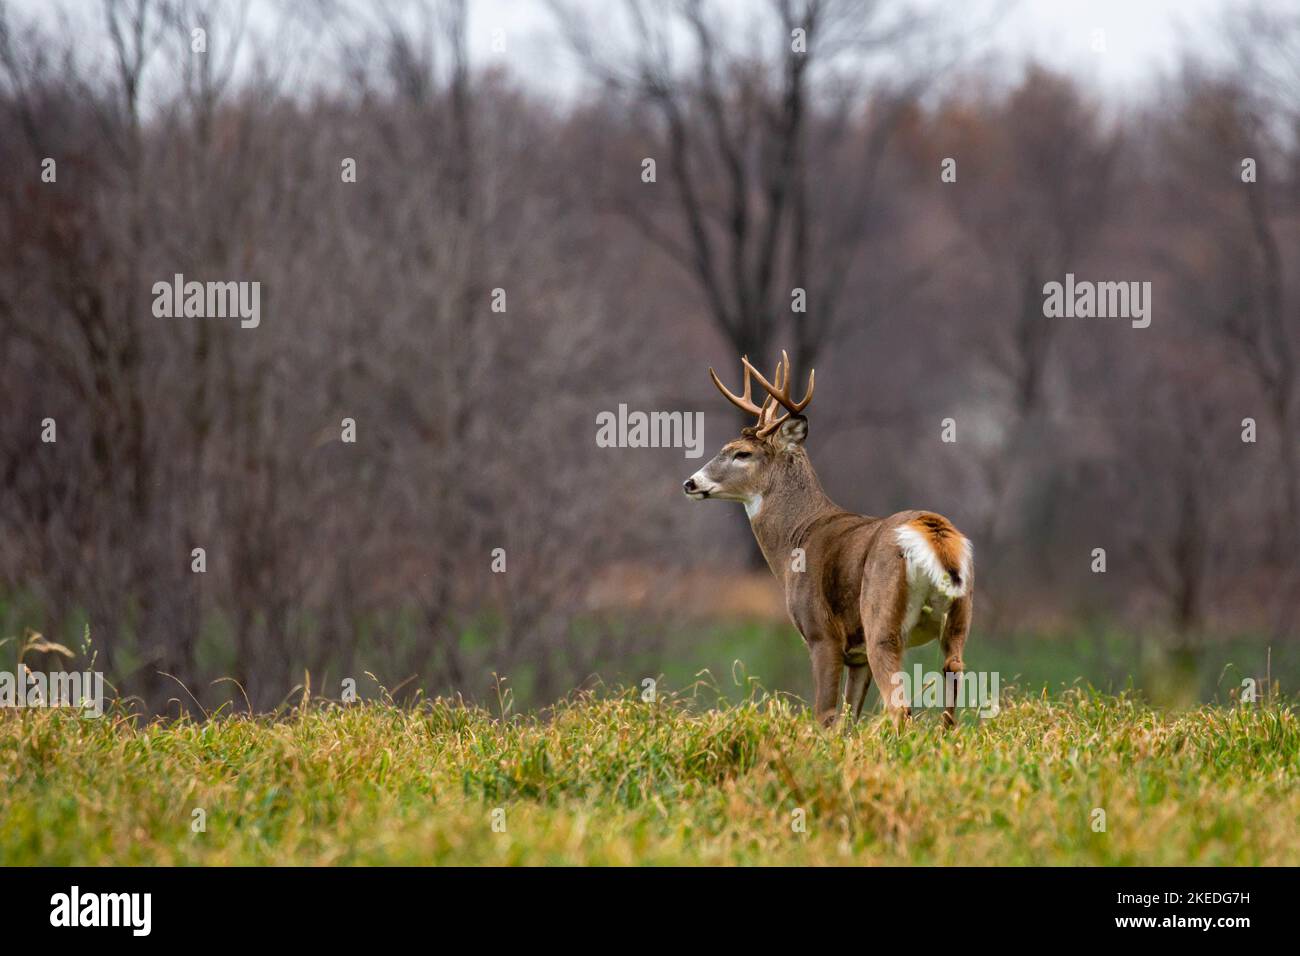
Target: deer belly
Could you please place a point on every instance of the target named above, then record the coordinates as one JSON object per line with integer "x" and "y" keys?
{"x": 928, "y": 625}
{"x": 926, "y": 608}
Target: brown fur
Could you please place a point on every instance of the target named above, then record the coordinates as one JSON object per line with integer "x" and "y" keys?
{"x": 850, "y": 601}
{"x": 946, "y": 539}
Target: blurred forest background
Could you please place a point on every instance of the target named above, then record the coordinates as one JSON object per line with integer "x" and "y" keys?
{"x": 775, "y": 170}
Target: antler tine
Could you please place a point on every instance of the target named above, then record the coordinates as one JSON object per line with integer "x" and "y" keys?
{"x": 781, "y": 390}
{"x": 807, "y": 396}
{"x": 769, "y": 402}
{"x": 743, "y": 402}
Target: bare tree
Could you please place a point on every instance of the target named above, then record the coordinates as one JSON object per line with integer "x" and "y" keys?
{"x": 1045, "y": 186}
{"x": 1228, "y": 256}
{"x": 751, "y": 137}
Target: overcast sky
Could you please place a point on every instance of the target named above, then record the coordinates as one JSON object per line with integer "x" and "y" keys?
{"x": 1141, "y": 39}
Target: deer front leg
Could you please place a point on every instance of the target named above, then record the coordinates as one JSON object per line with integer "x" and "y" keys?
{"x": 855, "y": 688}
{"x": 828, "y": 669}
{"x": 859, "y": 679}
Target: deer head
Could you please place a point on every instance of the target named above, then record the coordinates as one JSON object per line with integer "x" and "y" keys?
{"x": 743, "y": 469}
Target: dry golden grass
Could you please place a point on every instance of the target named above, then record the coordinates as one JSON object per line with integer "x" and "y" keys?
{"x": 615, "y": 780}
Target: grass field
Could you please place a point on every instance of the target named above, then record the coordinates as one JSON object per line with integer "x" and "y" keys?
{"x": 612, "y": 779}
{"x": 1112, "y": 659}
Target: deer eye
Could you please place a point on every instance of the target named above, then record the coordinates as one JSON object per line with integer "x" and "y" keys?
{"x": 741, "y": 454}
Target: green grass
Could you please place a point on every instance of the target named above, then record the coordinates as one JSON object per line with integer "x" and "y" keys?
{"x": 1111, "y": 659}
{"x": 614, "y": 780}
{"x": 1089, "y": 652}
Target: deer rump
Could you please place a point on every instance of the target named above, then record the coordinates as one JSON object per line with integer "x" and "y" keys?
{"x": 938, "y": 561}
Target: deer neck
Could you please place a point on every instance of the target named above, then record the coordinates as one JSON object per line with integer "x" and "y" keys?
{"x": 793, "y": 500}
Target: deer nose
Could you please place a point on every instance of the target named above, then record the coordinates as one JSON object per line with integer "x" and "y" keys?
{"x": 689, "y": 486}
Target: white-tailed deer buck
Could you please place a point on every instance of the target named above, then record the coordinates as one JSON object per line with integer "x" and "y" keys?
{"x": 866, "y": 588}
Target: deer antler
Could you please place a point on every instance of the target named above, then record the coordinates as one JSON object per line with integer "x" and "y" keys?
{"x": 780, "y": 392}
{"x": 777, "y": 395}
{"x": 743, "y": 402}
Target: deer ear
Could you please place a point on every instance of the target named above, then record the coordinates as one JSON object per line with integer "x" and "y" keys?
{"x": 792, "y": 433}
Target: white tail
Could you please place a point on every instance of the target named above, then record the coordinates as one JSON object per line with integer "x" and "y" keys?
{"x": 946, "y": 564}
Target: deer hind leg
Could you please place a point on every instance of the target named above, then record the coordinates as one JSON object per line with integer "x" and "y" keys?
{"x": 885, "y": 652}
{"x": 955, "y": 628}
{"x": 883, "y": 607}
